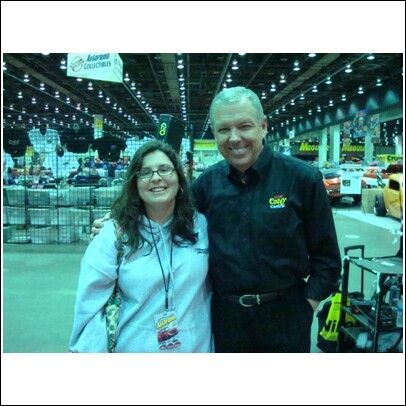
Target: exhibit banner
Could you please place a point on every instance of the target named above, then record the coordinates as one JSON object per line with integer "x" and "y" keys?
{"x": 107, "y": 67}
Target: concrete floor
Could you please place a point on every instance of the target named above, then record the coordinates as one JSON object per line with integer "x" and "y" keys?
{"x": 39, "y": 282}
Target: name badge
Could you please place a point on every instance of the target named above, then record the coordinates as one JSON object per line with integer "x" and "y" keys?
{"x": 167, "y": 332}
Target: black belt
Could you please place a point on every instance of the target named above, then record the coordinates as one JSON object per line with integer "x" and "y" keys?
{"x": 255, "y": 300}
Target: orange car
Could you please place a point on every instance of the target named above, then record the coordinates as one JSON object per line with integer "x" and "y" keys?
{"x": 332, "y": 182}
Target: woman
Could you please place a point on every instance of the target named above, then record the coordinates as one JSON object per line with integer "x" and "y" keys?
{"x": 162, "y": 278}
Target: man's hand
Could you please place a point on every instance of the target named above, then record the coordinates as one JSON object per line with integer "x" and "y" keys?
{"x": 98, "y": 225}
{"x": 313, "y": 303}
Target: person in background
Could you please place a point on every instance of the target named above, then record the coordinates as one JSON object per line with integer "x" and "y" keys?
{"x": 273, "y": 252}
{"x": 61, "y": 162}
{"x": 163, "y": 276}
{"x": 8, "y": 165}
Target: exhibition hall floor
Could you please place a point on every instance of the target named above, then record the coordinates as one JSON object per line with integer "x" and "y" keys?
{"x": 39, "y": 282}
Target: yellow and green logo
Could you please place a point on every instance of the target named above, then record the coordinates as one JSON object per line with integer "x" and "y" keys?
{"x": 277, "y": 201}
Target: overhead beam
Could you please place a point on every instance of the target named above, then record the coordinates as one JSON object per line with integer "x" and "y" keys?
{"x": 156, "y": 79}
{"x": 219, "y": 82}
{"x": 21, "y": 65}
{"x": 261, "y": 66}
{"x": 171, "y": 76}
{"x": 308, "y": 74}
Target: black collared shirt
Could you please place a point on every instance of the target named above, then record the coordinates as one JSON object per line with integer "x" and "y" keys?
{"x": 269, "y": 230}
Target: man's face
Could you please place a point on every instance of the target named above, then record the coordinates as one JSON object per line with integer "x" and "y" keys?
{"x": 239, "y": 133}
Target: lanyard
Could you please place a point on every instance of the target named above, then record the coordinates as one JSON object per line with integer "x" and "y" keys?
{"x": 166, "y": 285}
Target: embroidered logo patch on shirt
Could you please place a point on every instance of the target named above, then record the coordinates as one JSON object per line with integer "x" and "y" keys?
{"x": 277, "y": 201}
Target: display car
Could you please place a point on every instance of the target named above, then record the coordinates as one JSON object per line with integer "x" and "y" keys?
{"x": 374, "y": 174}
{"x": 391, "y": 200}
{"x": 332, "y": 182}
{"x": 342, "y": 181}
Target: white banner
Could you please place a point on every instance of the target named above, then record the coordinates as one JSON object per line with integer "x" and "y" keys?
{"x": 108, "y": 67}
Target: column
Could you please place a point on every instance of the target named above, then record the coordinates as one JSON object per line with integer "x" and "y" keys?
{"x": 323, "y": 146}
{"x": 334, "y": 144}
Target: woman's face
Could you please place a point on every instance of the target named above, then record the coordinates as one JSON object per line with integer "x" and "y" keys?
{"x": 159, "y": 190}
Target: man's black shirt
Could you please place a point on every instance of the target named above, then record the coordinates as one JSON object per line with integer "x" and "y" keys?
{"x": 270, "y": 230}
{"x": 15, "y": 141}
{"x": 77, "y": 141}
{"x": 109, "y": 148}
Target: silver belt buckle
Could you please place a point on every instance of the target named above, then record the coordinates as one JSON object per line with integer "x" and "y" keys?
{"x": 241, "y": 298}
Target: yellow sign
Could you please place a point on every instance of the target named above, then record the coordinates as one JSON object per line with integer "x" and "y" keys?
{"x": 205, "y": 145}
{"x": 389, "y": 158}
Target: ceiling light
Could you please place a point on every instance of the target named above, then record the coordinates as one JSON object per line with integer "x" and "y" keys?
{"x": 133, "y": 86}
{"x": 314, "y": 90}
{"x": 328, "y": 81}
{"x": 26, "y": 78}
{"x": 41, "y": 86}
{"x": 330, "y": 103}
{"x": 292, "y": 102}
{"x": 235, "y": 64}
{"x": 46, "y": 107}
{"x": 126, "y": 78}
{"x": 276, "y": 112}
{"x": 370, "y": 57}
{"x": 296, "y": 66}
{"x": 312, "y": 55}
{"x": 4, "y": 66}
{"x": 378, "y": 82}
{"x": 302, "y": 97}
{"x": 241, "y": 54}
{"x": 343, "y": 97}
{"x": 56, "y": 110}
{"x": 90, "y": 86}
{"x": 282, "y": 80}
{"x": 20, "y": 95}
{"x": 283, "y": 108}
{"x": 360, "y": 90}
{"x": 273, "y": 87}
{"x": 319, "y": 109}
{"x": 63, "y": 64}
{"x": 79, "y": 79}
{"x": 56, "y": 94}
{"x": 310, "y": 112}
{"x": 348, "y": 69}
{"x": 180, "y": 64}
{"x": 68, "y": 100}
{"x": 33, "y": 100}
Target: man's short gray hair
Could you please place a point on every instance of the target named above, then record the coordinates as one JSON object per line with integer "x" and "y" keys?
{"x": 235, "y": 95}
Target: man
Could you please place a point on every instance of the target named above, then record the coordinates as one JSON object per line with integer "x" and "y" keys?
{"x": 270, "y": 227}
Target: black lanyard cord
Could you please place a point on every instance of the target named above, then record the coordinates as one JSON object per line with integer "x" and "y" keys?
{"x": 166, "y": 285}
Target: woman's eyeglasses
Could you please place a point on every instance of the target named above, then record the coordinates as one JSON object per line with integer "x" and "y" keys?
{"x": 163, "y": 171}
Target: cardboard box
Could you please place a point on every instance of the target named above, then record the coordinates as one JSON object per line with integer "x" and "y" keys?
{"x": 41, "y": 235}
{"x": 105, "y": 196}
{"x": 39, "y": 217}
{"x": 80, "y": 196}
{"x": 16, "y": 195}
{"x": 38, "y": 197}
{"x": 15, "y": 215}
